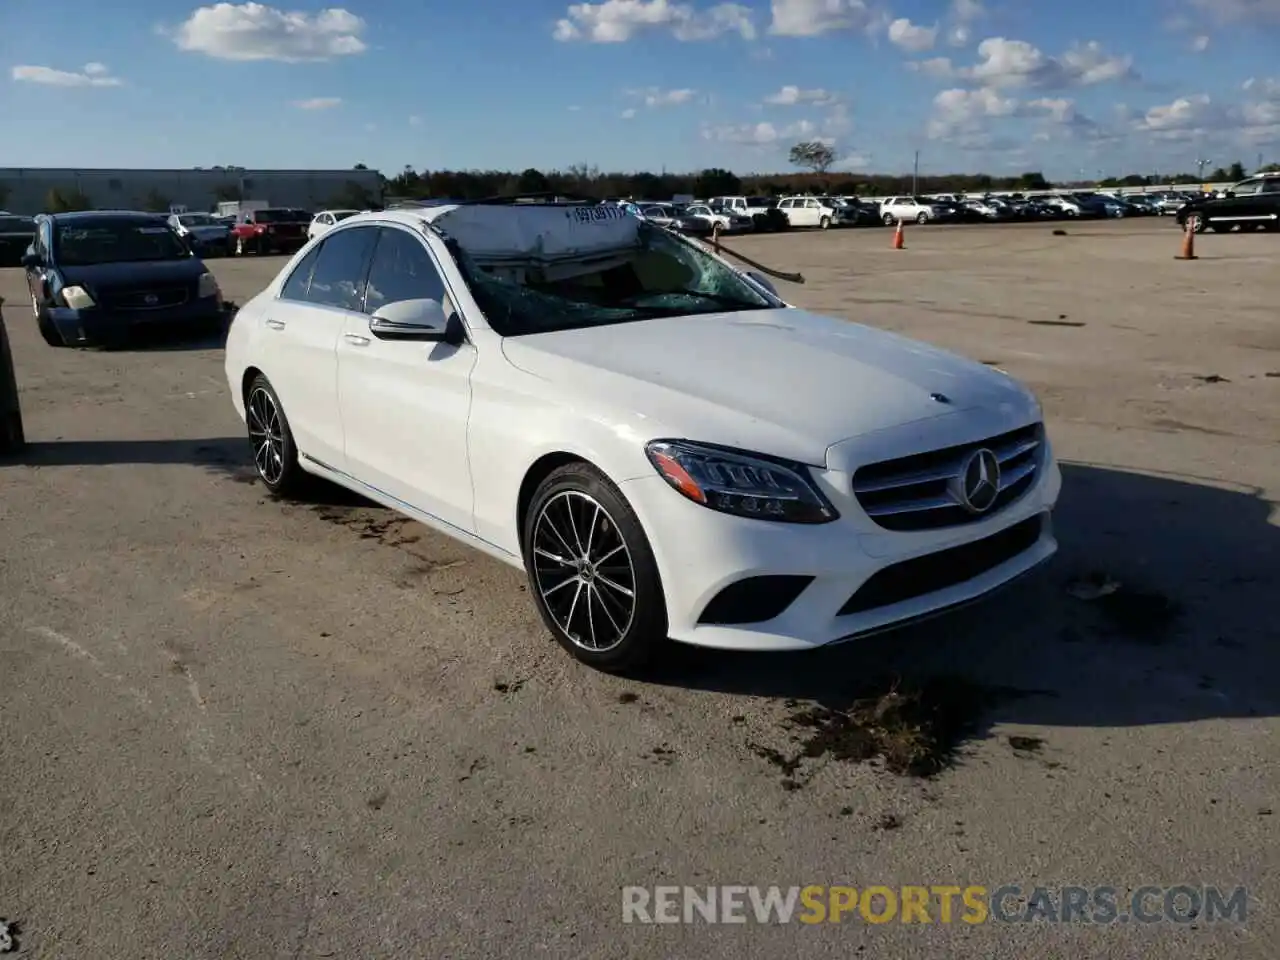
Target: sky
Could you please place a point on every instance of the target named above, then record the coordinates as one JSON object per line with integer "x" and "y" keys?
{"x": 1079, "y": 89}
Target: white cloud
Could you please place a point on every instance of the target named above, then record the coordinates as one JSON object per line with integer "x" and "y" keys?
{"x": 318, "y": 103}
{"x": 1201, "y": 43}
{"x": 628, "y": 114}
{"x": 657, "y": 97}
{"x": 761, "y": 134}
{"x": 1186, "y": 118}
{"x": 811, "y": 18}
{"x": 617, "y": 21}
{"x": 574, "y": 108}
{"x": 1015, "y": 63}
{"x": 962, "y": 15}
{"x": 254, "y": 31}
{"x": 911, "y": 36}
{"x": 853, "y": 161}
{"x": 790, "y": 96}
{"x": 91, "y": 75}
{"x": 939, "y": 67}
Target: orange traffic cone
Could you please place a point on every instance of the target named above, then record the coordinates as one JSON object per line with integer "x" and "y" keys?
{"x": 899, "y": 240}
{"x": 1188, "y": 251}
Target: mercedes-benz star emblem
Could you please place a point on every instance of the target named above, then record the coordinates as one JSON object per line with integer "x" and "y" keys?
{"x": 150, "y": 299}
{"x": 978, "y": 484}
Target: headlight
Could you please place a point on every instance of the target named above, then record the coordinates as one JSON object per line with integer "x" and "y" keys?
{"x": 77, "y": 298}
{"x": 740, "y": 483}
{"x": 208, "y": 286}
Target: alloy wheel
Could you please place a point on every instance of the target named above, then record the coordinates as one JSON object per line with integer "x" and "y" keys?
{"x": 583, "y": 570}
{"x": 266, "y": 435}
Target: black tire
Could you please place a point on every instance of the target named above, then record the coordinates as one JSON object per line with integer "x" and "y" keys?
{"x": 276, "y": 463}
{"x": 889, "y": 219}
{"x": 922, "y": 218}
{"x": 241, "y": 248}
{"x": 597, "y": 565}
{"x": 824, "y": 223}
{"x": 45, "y": 325}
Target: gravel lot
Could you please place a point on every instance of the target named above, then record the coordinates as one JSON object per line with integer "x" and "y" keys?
{"x": 233, "y": 727}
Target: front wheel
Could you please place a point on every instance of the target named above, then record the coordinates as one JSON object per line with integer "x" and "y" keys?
{"x": 824, "y": 223}
{"x": 275, "y": 456}
{"x": 48, "y": 332}
{"x": 592, "y": 572}
{"x": 888, "y": 219}
{"x": 922, "y": 218}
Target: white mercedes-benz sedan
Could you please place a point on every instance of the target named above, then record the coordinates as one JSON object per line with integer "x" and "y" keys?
{"x": 666, "y": 448}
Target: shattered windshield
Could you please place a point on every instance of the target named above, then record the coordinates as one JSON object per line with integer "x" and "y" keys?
{"x": 102, "y": 240}
{"x": 662, "y": 276}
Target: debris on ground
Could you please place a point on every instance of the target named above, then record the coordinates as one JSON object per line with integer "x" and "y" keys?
{"x": 1138, "y": 614}
{"x": 914, "y": 730}
{"x": 1057, "y": 323}
{"x": 1093, "y": 586}
{"x": 1209, "y": 378}
{"x": 1026, "y": 744}
{"x": 1059, "y": 233}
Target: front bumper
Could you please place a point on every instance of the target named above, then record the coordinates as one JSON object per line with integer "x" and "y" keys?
{"x": 848, "y": 578}
{"x": 96, "y": 325}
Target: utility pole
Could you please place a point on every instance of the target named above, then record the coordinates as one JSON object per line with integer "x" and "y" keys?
{"x": 915, "y": 176}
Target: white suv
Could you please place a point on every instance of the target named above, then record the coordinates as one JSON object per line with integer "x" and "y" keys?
{"x": 897, "y": 209}
{"x": 808, "y": 211}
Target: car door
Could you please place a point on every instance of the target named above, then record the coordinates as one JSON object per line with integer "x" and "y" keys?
{"x": 300, "y": 334}
{"x": 406, "y": 403}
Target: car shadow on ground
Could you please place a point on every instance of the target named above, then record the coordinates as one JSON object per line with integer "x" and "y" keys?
{"x": 1159, "y": 608}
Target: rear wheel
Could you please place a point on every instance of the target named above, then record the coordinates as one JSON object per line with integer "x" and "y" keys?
{"x": 592, "y": 572}
{"x": 922, "y": 218}
{"x": 825, "y": 223}
{"x": 888, "y": 219}
{"x": 275, "y": 457}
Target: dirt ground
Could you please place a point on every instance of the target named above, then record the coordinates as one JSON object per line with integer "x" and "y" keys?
{"x": 232, "y": 727}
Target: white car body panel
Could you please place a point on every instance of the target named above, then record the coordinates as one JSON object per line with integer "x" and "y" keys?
{"x": 447, "y": 435}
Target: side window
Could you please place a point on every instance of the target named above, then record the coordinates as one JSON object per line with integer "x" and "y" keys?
{"x": 295, "y": 288}
{"x": 338, "y": 277}
{"x": 402, "y": 270}
{"x": 1247, "y": 188}
{"x": 1271, "y": 185}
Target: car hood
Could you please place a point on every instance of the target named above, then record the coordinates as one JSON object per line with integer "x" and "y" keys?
{"x": 785, "y": 382}
{"x": 107, "y": 275}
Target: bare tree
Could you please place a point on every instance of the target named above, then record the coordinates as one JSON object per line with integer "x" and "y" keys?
{"x": 814, "y": 154}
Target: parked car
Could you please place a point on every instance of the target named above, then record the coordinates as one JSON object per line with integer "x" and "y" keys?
{"x": 899, "y": 209}
{"x": 852, "y": 212}
{"x": 325, "y": 219}
{"x": 96, "y": 277}
{"x": 1252, "y": 204}
{"x": 270, "y": 230}
{"x": 15, "y": 236}
{"x": 207, "y": 235}
{"x": 808, "y": 211}
{"x": 701, "y": 218}
{"x": 535, "y": 381}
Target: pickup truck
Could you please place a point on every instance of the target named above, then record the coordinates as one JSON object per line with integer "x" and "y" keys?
{"x": 1251, "y": 204}
{"x": 271, "y": 230}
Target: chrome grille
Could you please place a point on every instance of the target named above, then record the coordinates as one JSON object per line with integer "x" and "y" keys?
{"x": 918, "y": 492}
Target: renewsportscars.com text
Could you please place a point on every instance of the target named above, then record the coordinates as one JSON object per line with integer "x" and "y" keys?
{"x": 941, "y": 903}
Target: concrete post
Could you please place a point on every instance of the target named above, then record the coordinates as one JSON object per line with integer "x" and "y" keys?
{"x": 12, "y": 439}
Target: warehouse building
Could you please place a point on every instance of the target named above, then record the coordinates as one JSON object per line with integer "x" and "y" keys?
{"x": 30, "y": 190}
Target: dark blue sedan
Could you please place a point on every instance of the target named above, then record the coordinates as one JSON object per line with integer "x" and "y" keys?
{"x": 97, "y": 277}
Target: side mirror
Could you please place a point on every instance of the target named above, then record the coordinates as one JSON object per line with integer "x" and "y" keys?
{"x": 410, "y": 320}
{"x": 31, "y": 259}
{"x": 760, "y": 280}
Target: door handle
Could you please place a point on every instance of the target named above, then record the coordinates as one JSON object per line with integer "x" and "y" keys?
{"x": 355, "y": 339}
{"x": 275, "y": 324}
